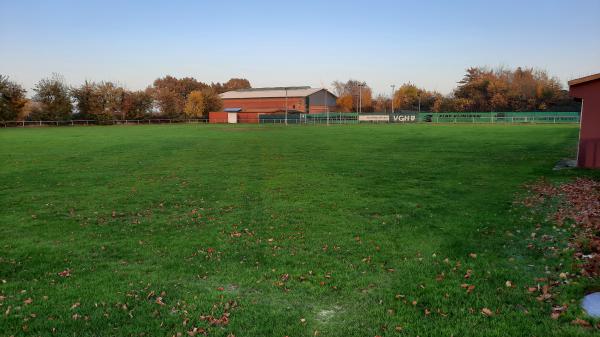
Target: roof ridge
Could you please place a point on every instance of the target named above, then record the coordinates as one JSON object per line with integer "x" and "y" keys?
{"x": 272, "y": 93}
{"x": 273, "y": 88}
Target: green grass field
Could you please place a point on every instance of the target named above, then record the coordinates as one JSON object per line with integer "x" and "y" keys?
{"x": 300, "y": 231}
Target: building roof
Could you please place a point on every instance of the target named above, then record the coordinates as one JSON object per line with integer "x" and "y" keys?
{"x": 278, "y": 92}
{"x": 584, "y": 79}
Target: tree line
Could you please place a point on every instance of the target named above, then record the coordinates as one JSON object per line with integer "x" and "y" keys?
{"x": 480, "y": 90}
{"x": 167, "y": 97}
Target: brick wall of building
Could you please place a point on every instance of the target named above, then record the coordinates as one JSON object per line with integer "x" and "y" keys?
{"x": 294, "y": 103}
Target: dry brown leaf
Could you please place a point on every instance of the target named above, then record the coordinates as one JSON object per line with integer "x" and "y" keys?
{"x": 487, "y": 312}
{"x": 581, "y": 322}
{"x": 65, "y": 273}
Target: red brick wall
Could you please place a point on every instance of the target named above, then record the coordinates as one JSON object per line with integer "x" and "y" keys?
{"x": 294, "y": 103}
{"x": 217, "y": 117}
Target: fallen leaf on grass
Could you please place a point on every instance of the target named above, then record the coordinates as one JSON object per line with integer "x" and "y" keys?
{"x": 581, "y": 322}
{"x": 487, "y": 312}
{"x": 578, "y": 202}
{"x": 65, "y": 273}
{"x": 545, "y": 293}
{"x": 28, "y": 301}
{"x": 469, "y": 287}
{"x": 222, "y": 321}
{"x": 195, "y": 331}
{"x": 557, "y": 311}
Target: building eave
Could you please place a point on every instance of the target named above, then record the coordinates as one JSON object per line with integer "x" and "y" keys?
{"x": 584, "y": 79}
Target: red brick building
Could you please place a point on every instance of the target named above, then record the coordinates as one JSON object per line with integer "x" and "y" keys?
{"x": 273, "y": 100}
{"x": 587, "y": 89}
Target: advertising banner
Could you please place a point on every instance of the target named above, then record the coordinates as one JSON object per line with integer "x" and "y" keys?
{"x": 403, "y": 118}
{"x": 374, "y": 118}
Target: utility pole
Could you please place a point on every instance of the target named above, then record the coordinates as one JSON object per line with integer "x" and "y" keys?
{"x": 393, "y": 92}
{"x": 327, "y": 104}
{"x": 419, "y": 103}
{"x": 286, "y": 105}
{"x": 360, "y": 99}
{"x": 360, "y": 85}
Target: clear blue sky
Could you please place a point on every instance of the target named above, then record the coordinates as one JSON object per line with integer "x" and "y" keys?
{"x": 275, "y": 43}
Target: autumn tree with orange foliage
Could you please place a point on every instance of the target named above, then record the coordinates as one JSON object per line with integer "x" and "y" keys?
{"x": 410, "y": 97}
{"x": 200, "y": 102}
{"x": 12, "y": 99}
{"x": 350, "y": 93}
{"x": 345, "y": 103}
{"x": 382, "y": 103}
{"x": 232, "y": 84}
{"x": 522, "y": 89}
{"x": 483, "y": 89}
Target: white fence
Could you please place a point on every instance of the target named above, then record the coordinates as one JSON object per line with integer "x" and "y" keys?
{"x": 87, "y": 122}
{"x": 347, "y": 120}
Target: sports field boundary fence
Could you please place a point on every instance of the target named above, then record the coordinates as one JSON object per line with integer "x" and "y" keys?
{"x": 333, "y": 119}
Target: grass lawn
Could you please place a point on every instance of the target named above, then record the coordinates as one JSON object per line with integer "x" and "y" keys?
{"x": 273, "y": 231}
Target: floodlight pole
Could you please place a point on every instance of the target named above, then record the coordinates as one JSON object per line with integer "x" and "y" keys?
{"x": 360, "y": 86}
{"x": 393, "y": 92}
{"x": 286, "y": 105}
{"x": 327, "y": 104}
